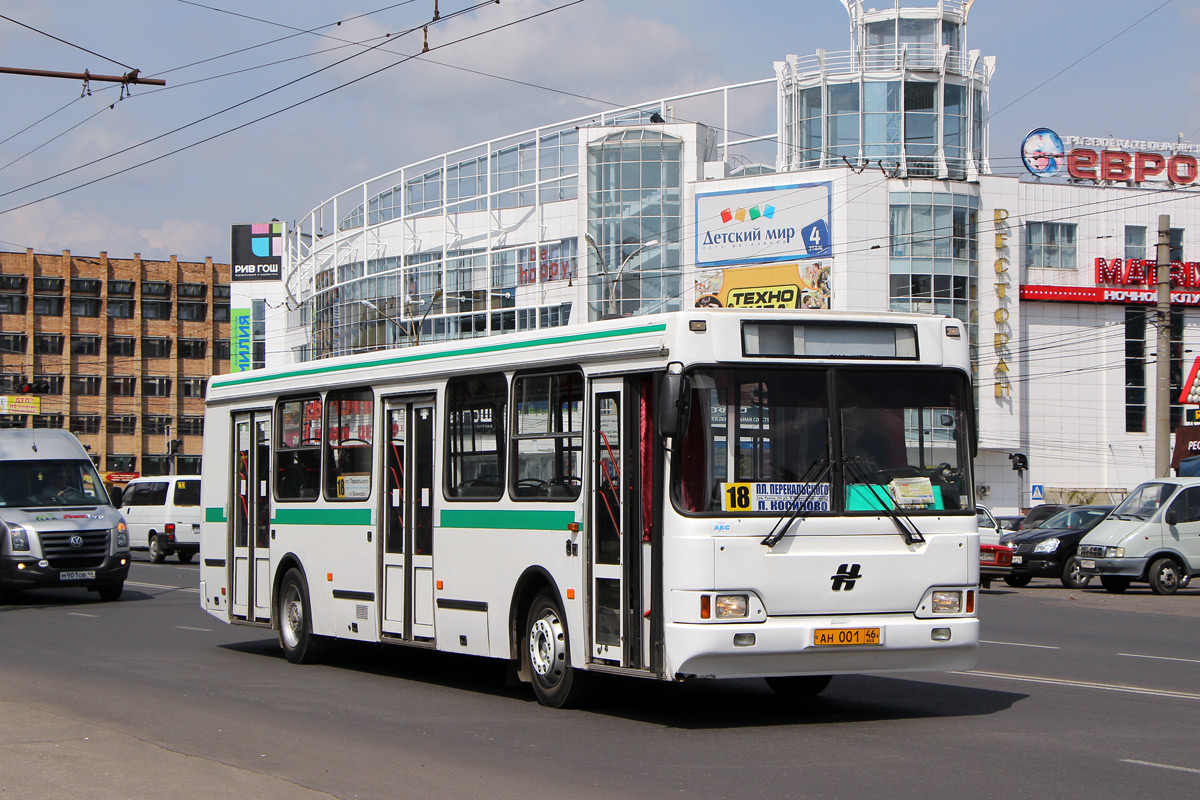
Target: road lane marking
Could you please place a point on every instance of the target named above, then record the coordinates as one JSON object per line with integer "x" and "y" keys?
{"x": 1107, "y": 687}
{"x": 81, "y": 614}
{"x": 1020, "y": 644}
{"x": 190, "y": 628}
{"x": 1162, "y": 658}
{"x": 162, "y": 586}
{"x": 1161, "y": 766}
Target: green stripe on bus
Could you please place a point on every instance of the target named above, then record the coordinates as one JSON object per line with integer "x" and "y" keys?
{"x": 214, "y": 515}
{"x": 466, "y": 351}
{"x": 499, "y": 519}
{"x": 322, "y": 516}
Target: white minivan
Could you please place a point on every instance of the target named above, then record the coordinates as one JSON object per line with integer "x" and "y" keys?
{"x": 163, "y": 514}
{"x": 1152, "y": 536}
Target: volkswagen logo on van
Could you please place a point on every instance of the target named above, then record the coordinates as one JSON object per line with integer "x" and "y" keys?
{"x": 76, "y": 542}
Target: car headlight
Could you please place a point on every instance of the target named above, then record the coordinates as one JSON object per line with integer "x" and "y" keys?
{"x": 121, "y": 533}
{"x": 1114, "y": 552}
{"x": 731, "y": 606}
{"x": 19, "y": 537}
{"x": 1047, "y": 545}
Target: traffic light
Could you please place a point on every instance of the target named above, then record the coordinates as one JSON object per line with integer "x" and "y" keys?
{"x": 1019, "y": 461}
{"x": 174, "y": 447}
{"x": 36, "y": 387}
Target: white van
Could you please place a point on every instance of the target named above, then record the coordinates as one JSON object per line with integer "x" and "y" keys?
{"x": 57, "y": 524}
{"x": 1153, "y": 536}
{"x": 164, "y": 515}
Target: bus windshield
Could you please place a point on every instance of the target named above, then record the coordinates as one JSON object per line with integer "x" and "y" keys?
{"x": 50, "y": 483}
{"x": 834, "y": 439}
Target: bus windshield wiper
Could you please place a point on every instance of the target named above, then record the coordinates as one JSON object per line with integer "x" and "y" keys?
{"x": 913, "y": 536}
{"x": 781, "y": 525}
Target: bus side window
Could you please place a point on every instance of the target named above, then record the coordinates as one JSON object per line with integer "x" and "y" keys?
{"x": 475, "y": 408}
{"x": 298, "y": 449}
{"x": 349, "y": 425}
{"x": 547, "y": 436}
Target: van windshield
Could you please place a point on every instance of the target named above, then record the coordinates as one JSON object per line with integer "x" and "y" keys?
{"x": 50, "y": 483}
{"x": 1143, "y": 501}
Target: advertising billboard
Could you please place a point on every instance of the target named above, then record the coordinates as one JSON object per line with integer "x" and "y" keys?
{"x": 256, "y": 252}
{"x": 761, "y": 225}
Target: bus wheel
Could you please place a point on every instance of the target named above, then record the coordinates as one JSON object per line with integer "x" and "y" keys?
{"x": 798, "y": 686}
{"x": 111, "y": 591}
{"x": 300, "y": 645}
{"x": 1164, "y": 576}
{"x": 555, "y": 682}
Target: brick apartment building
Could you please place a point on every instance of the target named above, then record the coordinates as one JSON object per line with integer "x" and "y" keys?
{"x": 121, "y": 350}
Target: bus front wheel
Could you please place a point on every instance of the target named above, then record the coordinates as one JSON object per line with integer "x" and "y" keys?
{"x": 547, "y": 656}
{"x": 300, "y": 645}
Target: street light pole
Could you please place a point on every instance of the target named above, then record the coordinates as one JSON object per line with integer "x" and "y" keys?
{"x": 385, "y": 316}
{"x": 610, "y": 285}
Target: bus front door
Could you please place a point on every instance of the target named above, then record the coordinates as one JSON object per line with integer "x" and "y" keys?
{"x": 408, "y": 520}
{"x": 251, "y": 471}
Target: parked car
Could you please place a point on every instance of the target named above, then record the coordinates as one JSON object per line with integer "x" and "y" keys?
{"x": 995, "y": 561}
{"x": 989, "y": 528}
{"x": 1009, "y": 523}
{"x": 1048, "y": 550}
{"x": 1039, "y": 514}
{"x": 1152, "y": 536}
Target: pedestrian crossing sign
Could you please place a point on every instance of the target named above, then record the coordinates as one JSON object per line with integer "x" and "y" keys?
{"x": 1039, "y": 492}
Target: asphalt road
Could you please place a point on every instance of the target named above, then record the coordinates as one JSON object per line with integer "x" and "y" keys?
{"x": 1077, "y": 694}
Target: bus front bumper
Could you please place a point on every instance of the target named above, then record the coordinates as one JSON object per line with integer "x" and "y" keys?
{"x": 786, "y": 646}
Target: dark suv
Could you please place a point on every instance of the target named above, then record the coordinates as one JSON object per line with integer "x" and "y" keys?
{"x": 1047, "y": 550}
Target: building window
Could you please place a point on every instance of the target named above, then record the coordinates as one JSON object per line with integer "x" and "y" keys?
{"x": 220, "y": 312}
{"x": 1135, "y": 242}
{"x": 85, "y": 423}
{"x": 811, "y": 136}
{"x": 221, "y": 291}
{"x": 156, "y": 464}
{"x": 48, "y": 285}
{"x": 53, "y": 383}
{"x": 193, "y": 312}
{"x": 193, "y": 348}
{"x": 122, "y": 386}
{"x": 1135, "y": 369}
{"x": 47, "y": 344}
{"x": 1175, "y": 367}
{"x": 121, "y": 309}
{"x": 156, "y": 289}
{"x": 921, "y": 128}
{"x": 193, "y": 290}
{"x": 191, "y": 426}
{"x": 156, "y": 309}
{"x": 13, "y": 420}
{"x": 188, "y": 465}
{"x": 120, "y": 463}
{"x": 86, "y": 285}
{"x": 47, "y": 306}
{"x": 1176, "y": 242}
{"x": 85, "y": 385}
{"x": 47, "y": 420}
{"x": 156, "y": 387}
{"x": 12, "y": 303}
{"x": 156, "y": 347}
{"x": 83, "y": 345}
{"x": 156, "y": 425}
{"x": 221, "y": 349}
{"x": 13, "y": 343}
{"x": 85, "y": 306}
{"x": 10, "y": 382}
{"x": 121, "y": 424}
{"x": 191, "y": 387}
{"x": 120, "y": 288}
{"x": 843, "y": 121}
{"x": 1050, "y": 245}
{"x": 13, "y": 283}
{"x": 121, "y": 346}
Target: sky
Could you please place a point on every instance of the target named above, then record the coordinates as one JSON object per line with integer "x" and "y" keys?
{"x": 274, "y": 106}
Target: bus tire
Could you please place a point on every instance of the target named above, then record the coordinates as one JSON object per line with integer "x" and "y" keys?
{"x": 547, "y": 654}
{"x": 795, "y": 687}
{"x": 300, "y": 645}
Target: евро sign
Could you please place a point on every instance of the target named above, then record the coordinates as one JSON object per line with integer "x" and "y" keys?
{"x": 1044, "y": 155}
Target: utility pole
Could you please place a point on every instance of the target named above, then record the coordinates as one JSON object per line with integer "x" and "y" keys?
{"x": 1162, "y": 360}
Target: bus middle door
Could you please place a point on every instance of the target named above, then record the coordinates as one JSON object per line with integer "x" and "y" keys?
{"x": 252, "y": 517}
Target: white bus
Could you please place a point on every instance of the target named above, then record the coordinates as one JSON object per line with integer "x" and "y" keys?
{"x": 704, "y": 494}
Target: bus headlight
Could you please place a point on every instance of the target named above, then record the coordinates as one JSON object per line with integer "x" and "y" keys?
{"x": 947, "y": 602}
{"x": 19, "y": 537}
{"x": 121, "y": 533}
{"x": 732, "y": 606}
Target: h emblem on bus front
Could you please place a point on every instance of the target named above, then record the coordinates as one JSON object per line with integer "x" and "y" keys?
{"x": 846, "y": 575}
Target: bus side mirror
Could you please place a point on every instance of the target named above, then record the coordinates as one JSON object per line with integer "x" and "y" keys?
{"x": 674, "y": 394}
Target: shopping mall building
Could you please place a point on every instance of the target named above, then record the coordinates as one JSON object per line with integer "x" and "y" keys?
{"x": 855, "y": 180}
